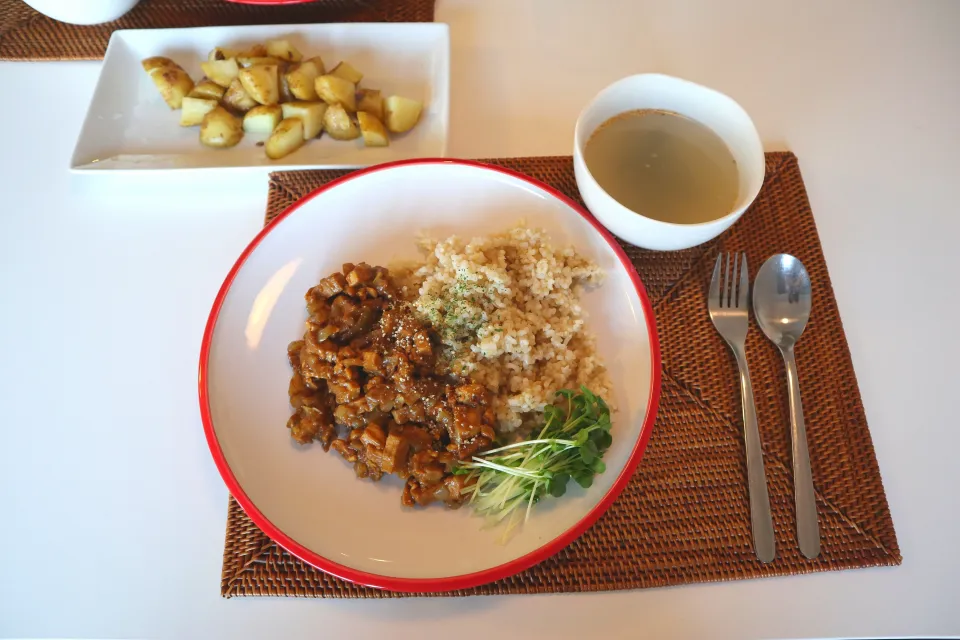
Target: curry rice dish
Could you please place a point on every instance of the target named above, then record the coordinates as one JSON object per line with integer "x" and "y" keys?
{"x": 412, "y": 370}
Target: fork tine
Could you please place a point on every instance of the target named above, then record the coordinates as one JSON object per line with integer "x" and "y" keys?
{"x": 727, "y": 285}
{"x": 733, "y": 281}
{"x": 713, "y": 298}
{"x": 744, "y": 285}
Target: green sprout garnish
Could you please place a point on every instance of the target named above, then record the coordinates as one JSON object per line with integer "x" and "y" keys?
{"x": 571, "y": 444}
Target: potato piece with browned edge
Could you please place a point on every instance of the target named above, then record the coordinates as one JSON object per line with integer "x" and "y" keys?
{"x": 207, "y": 89}
{"x": 256, "y": 51}
{"x": 262, "y": 119}
{"x": 401, "y": 114}
{"x": 262, "y": 83}
{"x": 237, "y": 97}
{"x": 222, "y": 72}
{"x": 221, "y": 129}
{"x": 318, "y": 61}
{"x": 284, "y": 50}
{"x": 346, "y": 71}
{"x": 309, "y": 113}
{"x": 374, "y": 133}
{"x": 171, "y": 80}
{"x": 302, "y": 80}
{"x": 155, "y": 63}
{"x": 285, "y": 139}
{"x": 369, "y": 100}
{"x": 220, "y": 53}
{"x": 194, "y": 110}
{"x": 336, "y": 90}
{"x": 338, "y": 125}
{"x": 285, "y": 95}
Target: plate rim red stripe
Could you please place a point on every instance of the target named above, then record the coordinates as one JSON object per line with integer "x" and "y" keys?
{"x": 463, "y": 581}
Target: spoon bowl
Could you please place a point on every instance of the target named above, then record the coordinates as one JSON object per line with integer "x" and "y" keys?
{"x": 781, "y": 299}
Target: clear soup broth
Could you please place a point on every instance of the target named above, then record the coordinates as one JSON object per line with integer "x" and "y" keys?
{"x": 664, "y": 166}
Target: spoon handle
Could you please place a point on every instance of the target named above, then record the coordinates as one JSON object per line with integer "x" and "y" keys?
{"x": 761, "y": 519}
{"x": 808, "y": 529}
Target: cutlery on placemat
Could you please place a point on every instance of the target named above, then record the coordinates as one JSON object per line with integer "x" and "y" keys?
{"x": 781, "y": 304}
{"x": 728, "y": 303}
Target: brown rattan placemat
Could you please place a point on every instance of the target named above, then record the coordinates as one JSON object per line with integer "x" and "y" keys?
{"x": 684, "y": 517}
{"x": 28, "y": 35}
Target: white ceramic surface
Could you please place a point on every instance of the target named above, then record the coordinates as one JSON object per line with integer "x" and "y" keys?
{"x": 312, "y": 497}
{"x": 83, "y": 11}
{"x": 129, "y": 127}
{"x": 712, "y": 108}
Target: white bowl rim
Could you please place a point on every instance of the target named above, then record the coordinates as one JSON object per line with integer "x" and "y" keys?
{"x": 448, "y": 583}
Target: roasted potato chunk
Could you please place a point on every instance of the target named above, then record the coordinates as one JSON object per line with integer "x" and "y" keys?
{"x": 261, "y": 83}
{"x": 220, "y": 129}
{"x": 302, "y": 80}
{"x": 346, "y": 71}
{"x": 374, "y": 133}
{"x": 369, "y": 100}
{"x": 284, "y": 50}
{"x": 207, "y": 89}
{"x": 262, "y": 119}
{"x": 309, "y": 113}
{"x": 194, "y": 110}
{"x": 336, "y": 90}
{"x": 285, "y": 139}
{"x": 171, "y": 80}
{"x": 338, "y": 125}
{"x": 237, "y": 98}
{"x": 223, "y": 72}
{"x": 401, "y": 114}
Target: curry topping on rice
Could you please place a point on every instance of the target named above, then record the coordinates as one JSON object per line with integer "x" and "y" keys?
{"x": 368, "y": 364}
{"x": 425, "y": 371}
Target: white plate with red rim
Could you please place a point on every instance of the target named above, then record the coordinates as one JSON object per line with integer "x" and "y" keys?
{"x": 309, "y": 501}
{"x": 130, "y": 128}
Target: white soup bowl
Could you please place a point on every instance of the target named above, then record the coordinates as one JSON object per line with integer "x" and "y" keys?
{"x": 711, "y": 108}
{"x": 83, "y": 11}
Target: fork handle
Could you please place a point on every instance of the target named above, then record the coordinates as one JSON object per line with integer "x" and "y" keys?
{"x": 760, "y": 518}
{"x": 808, "y": 529}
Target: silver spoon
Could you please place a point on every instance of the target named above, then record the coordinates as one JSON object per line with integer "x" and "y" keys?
{"x": 781, "y": 303}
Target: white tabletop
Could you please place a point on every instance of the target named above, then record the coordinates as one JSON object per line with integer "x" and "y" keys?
{"x": 113, "y": 511}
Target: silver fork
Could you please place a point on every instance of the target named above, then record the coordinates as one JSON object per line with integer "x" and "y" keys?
{"x": 729, "y": 306}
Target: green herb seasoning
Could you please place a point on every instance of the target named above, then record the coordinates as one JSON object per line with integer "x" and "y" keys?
{"x": 457, "y": 313}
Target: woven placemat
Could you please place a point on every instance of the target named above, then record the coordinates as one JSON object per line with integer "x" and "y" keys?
{"x": 28, "y": 35}
{"x": 684, "y": 517}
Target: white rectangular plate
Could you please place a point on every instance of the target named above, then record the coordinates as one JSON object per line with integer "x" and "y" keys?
{"x": 130, "y": 127}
